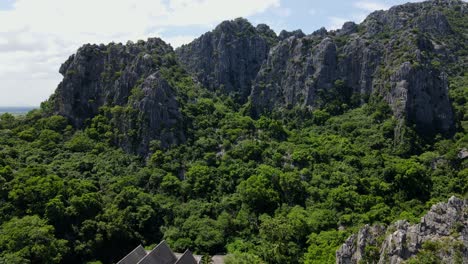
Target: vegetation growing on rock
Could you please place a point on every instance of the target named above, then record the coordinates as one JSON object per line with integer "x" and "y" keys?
{"x": 134, "y": 147}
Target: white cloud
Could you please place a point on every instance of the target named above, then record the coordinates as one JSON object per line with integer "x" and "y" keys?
{"x": 371, "y": 5}
{"x": 203, "y": 12}
{"x": 37, "y": 36}
{"x": 3, "y": 40}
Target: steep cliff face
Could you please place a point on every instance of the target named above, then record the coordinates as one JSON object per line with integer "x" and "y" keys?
{"x": 404, "y": 55}
{"x": 411, "y": 78}
{"x": 442, "y": 232}
{"x": 100, "y": 75}
{"x": 125, "y": 76}
{"x": 395, "y": 54}
{"x": 154, "y": 114}
{"x": 315, "y": 69}
{"x": 294, "y": 73}
{"x": 228, "y": 58}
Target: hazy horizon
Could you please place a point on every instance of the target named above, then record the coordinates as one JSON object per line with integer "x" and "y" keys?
{"x": 19, "y": 106}
{"x": 16, "y": 110}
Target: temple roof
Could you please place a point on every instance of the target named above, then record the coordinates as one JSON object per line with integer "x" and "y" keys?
{"x": 161, "y": 254}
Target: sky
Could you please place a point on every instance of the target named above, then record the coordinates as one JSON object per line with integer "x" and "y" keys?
{"x": 37, "y": 36}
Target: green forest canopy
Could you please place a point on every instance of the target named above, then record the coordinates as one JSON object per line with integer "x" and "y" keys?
{"x": 286, "y": 188}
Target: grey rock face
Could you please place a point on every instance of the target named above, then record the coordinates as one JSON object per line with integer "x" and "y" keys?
{"x": 445, "y": 223}
{"x": 265, "y": 31}
{"x": 348, "y": 28}
{"x": 390, "y": 55}
{"x": 293, "y": 73}
{"x": 305, "y": 71}
{"x": 104, "y": 75}
{"x": 126, "y": 76}
{"x": 159, "y": 116}
{"x": 400, "y": 55}
{"x": 286, "y": 34}
{"x": 353, "y": 250}
{"x": 228, "y": 58}
{"x": 422, "y": 95}
{"x": 358, "y": 64}
{"x": 423, "y": 16}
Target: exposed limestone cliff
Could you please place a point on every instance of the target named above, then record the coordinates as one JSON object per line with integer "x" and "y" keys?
{"x": 228, "y": 58}
{"x": 393, "y": 54}
{"x": 404, "y": 55}
{"x": 125, "y": 76}
{"x": 100, "y": 75}
{"x": 442, "y": 233}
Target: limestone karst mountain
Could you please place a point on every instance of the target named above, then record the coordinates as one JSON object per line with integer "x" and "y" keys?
{"x": 249, "y": 147}
{"x": 405, "y": 55}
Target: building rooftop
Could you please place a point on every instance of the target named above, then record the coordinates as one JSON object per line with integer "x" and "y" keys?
{"x": 133, "y": 257}
{"x": 161, "y": 254}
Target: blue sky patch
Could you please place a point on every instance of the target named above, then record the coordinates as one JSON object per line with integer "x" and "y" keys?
{"x": 6, "y": 4}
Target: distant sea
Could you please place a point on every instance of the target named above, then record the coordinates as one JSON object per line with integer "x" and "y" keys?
{"x": 16, "y": 110}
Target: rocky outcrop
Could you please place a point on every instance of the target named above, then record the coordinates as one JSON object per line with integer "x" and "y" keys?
{"x": 348, "y": 28}
{"x": 287, "y": 34}
{"x": 227, "y": 59}
{"x": 354, "y": 249}
{"x": 126, "y": 76}
{"x": 421, "y": 94}
{"x": 402, "y": 55}
{"x": 295, "y": 73}
{"x": 444, "y": 226}
{"x": 157, "y": 115}
{"x": 391, "y": 55}
{"x": 287, "y": 77}
{"x": 313, "y": 70}
{"x": 425, "y": 16}
{"x": 100, "y": 75}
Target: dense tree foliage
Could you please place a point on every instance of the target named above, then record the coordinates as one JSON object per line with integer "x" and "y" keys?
{"x": 285, "y": 188}
{"x": 30, "y": 240}
{"x": 288, "y": 187}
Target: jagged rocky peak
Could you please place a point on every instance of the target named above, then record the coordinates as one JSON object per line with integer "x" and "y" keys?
{"x": 400, "y": 55}
{"x": 348, "y": 28}
{"x": 443, "y": 231}
{"x": 321, "y": 32}
{"x": 227, "y": 59}
{"x": 390, "y": 55}
{"x": 427, "y": 16}
{"x": 286, "y": 34}
{"x": 268, "y": 33}
{"x": 127, "y": 77}
{"x": 100, "y": 75}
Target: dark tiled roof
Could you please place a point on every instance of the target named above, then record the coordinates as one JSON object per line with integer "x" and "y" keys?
{"x": 133, "y": 257}
{"x": 187, "y": 258}
{"x": 161, "y": 254}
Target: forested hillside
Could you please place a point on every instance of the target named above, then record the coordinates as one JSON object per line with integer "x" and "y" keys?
{"x": 142, "y": 143}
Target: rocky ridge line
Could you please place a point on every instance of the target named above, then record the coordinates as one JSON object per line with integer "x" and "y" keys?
{"x": 443, "y": 231}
